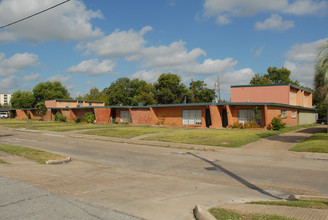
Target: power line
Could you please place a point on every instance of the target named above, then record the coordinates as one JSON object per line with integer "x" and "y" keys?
{"x": 34, "y": 14}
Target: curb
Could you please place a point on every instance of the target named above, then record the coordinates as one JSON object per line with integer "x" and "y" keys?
{"x": 53, "y": 162}
{"x": 202, "y": 214}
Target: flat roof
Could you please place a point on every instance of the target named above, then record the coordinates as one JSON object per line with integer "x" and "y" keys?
{"x": 282, "y": 84}
{"x": 72, "y": 100}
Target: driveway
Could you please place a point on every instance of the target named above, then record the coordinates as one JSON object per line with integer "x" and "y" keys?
{"x": 164, "y": 183}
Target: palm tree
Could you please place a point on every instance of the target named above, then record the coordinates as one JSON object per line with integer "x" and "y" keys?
{"x": 321, "y": 75}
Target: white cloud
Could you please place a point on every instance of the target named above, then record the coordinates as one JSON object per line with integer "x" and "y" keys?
{"x": 172, "y": 56}
{"x": 119, "y": 43}
{"x": 70, "y": 21}
{"x": 274, "y": 23}
{"x": 224, "y": 10}
{"x": 59, "y": 78}
{"x": 16, "y": 63}
{"x": 93, "y": 67}
{"x": 229, "y": 78}
{"x": 32, "y": 77}
{"x": 301, "y": 60}
{"x": 131, "y": 45}
{"x": 148, "y": 75}
{"x": 8, "y": 83}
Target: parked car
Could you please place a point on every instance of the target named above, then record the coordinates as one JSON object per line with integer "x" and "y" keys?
{"x": 4, "y": 115}
{"x": 322, "y": 121}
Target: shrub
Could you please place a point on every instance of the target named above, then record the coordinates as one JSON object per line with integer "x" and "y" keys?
{"x": 237, "y": 125}
{"x": 247, "y": 125}
{"x": 79, "y": 119}
{"x": 90, "y": 117}
{"x": 11, "y": 114}
{"x": 59, "y": 117}
{"x": 29, "y": 115}
{"x": 277, "y": 124}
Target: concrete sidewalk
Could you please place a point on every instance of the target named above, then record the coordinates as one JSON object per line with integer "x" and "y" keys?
{"x": 290, "y": 212}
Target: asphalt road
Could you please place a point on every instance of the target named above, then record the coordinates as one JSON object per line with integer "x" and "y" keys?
{"x": 155, "y": 182}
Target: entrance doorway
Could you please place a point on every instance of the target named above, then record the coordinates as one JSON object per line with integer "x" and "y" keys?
{"x": 208, "y": 118}
{"x": 224, "y": 118}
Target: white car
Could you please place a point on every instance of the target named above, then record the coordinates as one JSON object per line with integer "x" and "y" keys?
{"x": 4, "y": 115}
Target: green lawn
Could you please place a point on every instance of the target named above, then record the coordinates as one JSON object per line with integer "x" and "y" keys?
{"x": 220, "y": 137}
{"x": 2, "y": 161}
{"x": 32, "y": 154}
{"x": 127, "y": 132}
{"x": 314, "y": 204}
{"x": 52, "y": 125}
{"x": 316, "y": 143}
{"x": 225, "y": 214}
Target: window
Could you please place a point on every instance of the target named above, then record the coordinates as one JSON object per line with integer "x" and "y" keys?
{"x": 293, "y": 114}
{"x": 283, "y": 114}
{"x": 90, "y": 104}
{"x": 192, "y": 117}
{"x": 125, "y": 116}
{"x": 248, "y": 115}
{"x": 292, "y": 95}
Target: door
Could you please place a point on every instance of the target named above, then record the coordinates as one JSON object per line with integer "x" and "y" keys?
{"x": 113, "y": 116}
{"x": 208, "y": 118}
{"x": 224, "y": 118}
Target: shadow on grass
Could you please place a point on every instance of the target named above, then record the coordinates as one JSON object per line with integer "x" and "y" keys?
{"x": 5, "y": 135}
{"x": 236, "y": 177}
{"x": 312, "y": 130}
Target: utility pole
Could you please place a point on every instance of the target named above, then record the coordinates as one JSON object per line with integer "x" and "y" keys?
{"x": 217, "y": 84}
{"x": 192, "y": 91}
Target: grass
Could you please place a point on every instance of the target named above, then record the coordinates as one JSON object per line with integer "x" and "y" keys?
{"x": 220, "y": 137}
{"x": 3, "y": 162}
{"x": 314, "y": 204}
{"x": 127, "y": 132}
{"x": 32, "y": 154}
{"x": 316, "y": 143}
{"x": 52, "y": 125}
{"x": 226, "y": 214}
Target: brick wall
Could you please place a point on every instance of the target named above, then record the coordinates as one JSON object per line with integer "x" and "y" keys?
{"x": 102, "y": 115}
{"x": 172, "y": 116}
{"x": 21, "y": 114}
{"x": 140, "y": 116}
{"x": 275, "y": 111}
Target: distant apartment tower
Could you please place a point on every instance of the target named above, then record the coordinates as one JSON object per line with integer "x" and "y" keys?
{"x": 5, "y": 99}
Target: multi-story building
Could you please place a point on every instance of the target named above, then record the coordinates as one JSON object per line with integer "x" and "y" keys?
{"x": 5, "y": 99}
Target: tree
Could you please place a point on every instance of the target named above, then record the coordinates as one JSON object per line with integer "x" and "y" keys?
{"x": 260, "y": 79}
{"x": 321, "y": 75}
{"x": 22, "y": 99}
{"x": 94, "y": 95}
{"x": 168, "y": 89}
{"x": 41, "y": 109}
{"x": 199, "y": 92}
{"x": 50, "y": 90}
{"x": 275, "y": 76}
{"x": 129, "y": 92}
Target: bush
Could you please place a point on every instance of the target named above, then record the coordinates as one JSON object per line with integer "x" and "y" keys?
{"x": 59, "y": 117}
{"x": 237, "y": 125}
{"x": 90, "y": 117}
{"x": 12, "y": 114}
{"x": 277, "y": 124}
{"x": 79, "y": 119}
{"x": 29, "y": 115}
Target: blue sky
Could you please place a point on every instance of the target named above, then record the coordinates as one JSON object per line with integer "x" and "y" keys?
{"x": 92, "y": 43}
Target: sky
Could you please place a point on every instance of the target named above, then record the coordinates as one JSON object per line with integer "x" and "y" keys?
{"x": 92, "y": 43}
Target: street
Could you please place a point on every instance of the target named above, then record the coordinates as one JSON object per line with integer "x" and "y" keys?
{"x": 165, "y": 183}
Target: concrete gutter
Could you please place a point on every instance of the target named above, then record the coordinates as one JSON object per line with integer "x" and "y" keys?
{"x": 201, "y": 213}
